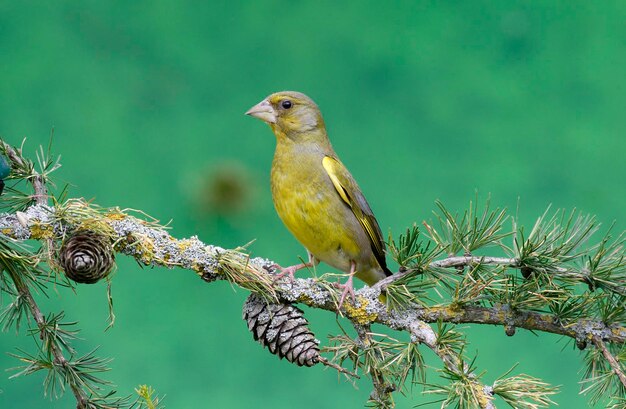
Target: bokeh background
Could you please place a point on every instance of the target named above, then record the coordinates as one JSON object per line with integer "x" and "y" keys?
{"x": 423, "y": 101}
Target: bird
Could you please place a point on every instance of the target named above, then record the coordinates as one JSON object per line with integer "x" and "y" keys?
{"x": 5, "y": 171}
{"x": 315, "y": 195}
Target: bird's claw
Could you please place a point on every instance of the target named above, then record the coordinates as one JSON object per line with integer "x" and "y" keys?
{"x": 286, "y": 271}
{"x": 348, "y": 288}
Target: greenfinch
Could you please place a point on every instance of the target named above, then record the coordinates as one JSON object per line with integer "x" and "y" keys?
{"x": 316, "y": 197}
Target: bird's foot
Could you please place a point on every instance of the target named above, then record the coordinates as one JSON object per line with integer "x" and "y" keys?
{"x": 289, "y": 271}
{"x": 348, "y": 288}
{"x": 286, "y": 271}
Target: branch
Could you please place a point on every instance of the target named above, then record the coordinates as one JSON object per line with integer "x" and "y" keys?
{"x": 457, "y": 261}
{"x": 423, "y": 333}
{"x": 37, "y": 180}
{"x": 152, "y": 245}
{"x": 615, "y": 366}
{"x": 382, "y": 389}
{"x": 59, "y": 358}
{"x": 41, "y": 198}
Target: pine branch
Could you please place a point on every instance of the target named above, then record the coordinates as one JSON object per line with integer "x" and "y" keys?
{"x": 615, "y": 365}
{"x": 41, "y": 198}
{"x": 148, "y": 398}
{"x": 57, "y": 353}
{"x": 152, "y": 245}
{"x": 381, "y": 395}
{"x": 460, "y": 261}
{"x": 479, "y": 395}
{"x": 37, "y": 179}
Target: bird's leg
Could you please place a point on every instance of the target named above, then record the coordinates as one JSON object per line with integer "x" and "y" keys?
{"x": 348, "y": 288}
{"x": 291, "y": 270}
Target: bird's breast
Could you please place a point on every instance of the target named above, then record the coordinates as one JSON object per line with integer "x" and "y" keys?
{"x": 309, "y": 206}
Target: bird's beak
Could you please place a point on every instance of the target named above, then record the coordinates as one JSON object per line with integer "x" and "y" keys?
{"x": 263, "y": 111}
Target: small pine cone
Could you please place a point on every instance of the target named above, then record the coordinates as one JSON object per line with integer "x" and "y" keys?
{"x": 509, "y": 330}
{"x": 283, "y": 329}
{"x": 526, "y": 272}
{"x": 86, "y": 257}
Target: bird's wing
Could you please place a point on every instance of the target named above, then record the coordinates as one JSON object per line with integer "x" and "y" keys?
{"x": 351, "y": 194}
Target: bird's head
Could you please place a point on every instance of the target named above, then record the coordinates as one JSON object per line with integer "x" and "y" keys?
{"x": 289, "y": 113}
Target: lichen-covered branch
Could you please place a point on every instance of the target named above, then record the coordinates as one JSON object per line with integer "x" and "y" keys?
{"x": 153, "y": 245}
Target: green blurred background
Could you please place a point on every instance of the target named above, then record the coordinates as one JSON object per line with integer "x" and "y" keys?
{"x": 423, "y": 101}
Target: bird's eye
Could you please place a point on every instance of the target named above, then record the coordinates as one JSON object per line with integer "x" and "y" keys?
{"x": 286, "y": 104}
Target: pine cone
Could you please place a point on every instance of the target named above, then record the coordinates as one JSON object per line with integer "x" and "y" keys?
{"x": 283, "y": 329}
{"x": 86, "y": 257}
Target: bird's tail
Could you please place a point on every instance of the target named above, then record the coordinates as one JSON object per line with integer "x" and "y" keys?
{"x": 374, "y": 275}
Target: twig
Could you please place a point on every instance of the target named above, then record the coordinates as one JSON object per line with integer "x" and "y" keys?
{"x": 460, "y": 261}
{"x": 41, "y": 198}
{"x": 38, "y": 182}
{"x": 424, "y": 334}
{"x": 382, "y": 389}
{"x": 617, "y": 369}
{"x": 59, "y": 358}
{"x": 339, "y": 368}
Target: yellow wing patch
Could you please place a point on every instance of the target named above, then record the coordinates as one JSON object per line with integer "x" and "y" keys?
{"x": 329, "y": 165}
{"x": 350, "y": 193}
